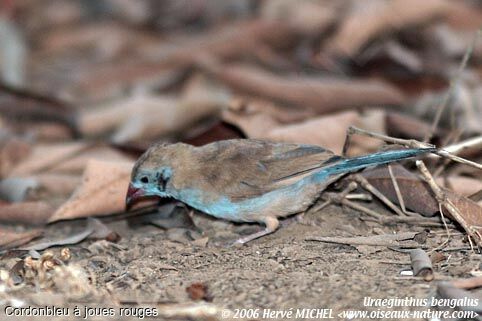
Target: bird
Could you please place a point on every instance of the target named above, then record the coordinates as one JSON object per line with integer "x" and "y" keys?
{"x": 247, "y": 180}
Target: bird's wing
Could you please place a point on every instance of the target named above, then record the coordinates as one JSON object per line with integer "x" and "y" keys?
{"x": 244, "y": 169}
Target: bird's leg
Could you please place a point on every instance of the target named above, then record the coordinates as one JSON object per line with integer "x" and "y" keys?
{"x": 272, "y": 225}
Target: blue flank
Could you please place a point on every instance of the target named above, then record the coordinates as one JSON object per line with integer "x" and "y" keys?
{"x": 223, "y": 207}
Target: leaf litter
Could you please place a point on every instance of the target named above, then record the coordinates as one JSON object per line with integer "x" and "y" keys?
{"x": 99, "y": 83}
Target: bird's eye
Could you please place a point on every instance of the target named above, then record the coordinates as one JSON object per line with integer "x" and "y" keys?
{"x": 144, "y": 179}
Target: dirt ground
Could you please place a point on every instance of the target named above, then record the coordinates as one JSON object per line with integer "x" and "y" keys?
{"x": 87, "y": 86}
{"x": 152, "y": 267}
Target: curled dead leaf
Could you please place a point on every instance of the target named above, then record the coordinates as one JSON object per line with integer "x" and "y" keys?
{"x": 103, "y": 190}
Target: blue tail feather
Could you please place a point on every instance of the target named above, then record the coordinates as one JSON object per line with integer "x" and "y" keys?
{"x": 357, "y": 163}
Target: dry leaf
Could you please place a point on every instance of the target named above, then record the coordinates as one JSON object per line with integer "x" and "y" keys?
{"x": 416, "y": 194}
{"x": 175, "y": 54}
{"x": 35, "y": 213}
{"x": 108, "y": 38}
{"x": 148, "y": 116}
{"x": 306, "y": 17}
{"x": 405, "y": 126}
{"x": 20, "y": 106}
{"x": 327, "y": 131}
{"x": 201, "y": 99}
{"x": 322, "y": 95}
{"x": 102, "y": 192}
{"x": 470, "y": 210}
{"x": 10, "y": 239}
{"x": 77, "y": 163}
{"x": 368, "y": 20}
{"x": 12, "y": 151}
{"x": 18, "y": 189}
{"x": 217, "y": 131}
{"x": 71, "y": 239}
{"x": 464, "y": 186}
{"x": 95, "y": 229}
{"x": 46, "y": 156}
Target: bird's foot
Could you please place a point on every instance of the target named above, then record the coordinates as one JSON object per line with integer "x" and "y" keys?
{"x": 272, "y": 224}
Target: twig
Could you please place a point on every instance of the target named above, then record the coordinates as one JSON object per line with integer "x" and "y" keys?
{"x": 411, "y": 143}
{"x": 420, "y": 221}
{"x": 360, "y": 197}
{"x": 444, "y": 243}
{"x": 330, "y": 198}
{"x": 397, "y": 189}
{"x": 369, "y": 187}
{"x": 471, "y": 143}
{"x": 453, "y": 83}
{"x": 458, "y": 159}
{"x": 334, "y": 197}
{"x": 375, "y": 240}
{"x": 456, "y": 249}
{"x": 447, "y": 203}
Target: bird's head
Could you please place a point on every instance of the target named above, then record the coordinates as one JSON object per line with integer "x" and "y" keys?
{"x": 153, "y": 172}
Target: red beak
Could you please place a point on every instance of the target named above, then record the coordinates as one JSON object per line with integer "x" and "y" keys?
{"x": 133, "y": 193}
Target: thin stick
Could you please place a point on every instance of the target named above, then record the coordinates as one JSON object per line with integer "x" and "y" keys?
{"x": 360, "y": 197}
{"x": 372, "y": 189}
{"x": 362, "y": 209}
{"x": 397, "y": 190}
{"x": 339, "y": 199}
{"x": 330, "y": 198}
{"x": 474, "y": 143}
{"x": 412, "y": 143}
{"x": 335, "y": 197}
{"x": 373, "y": 240}
{"x": 453, "y": 83}
{"x": 442, "y": 199}
{"x": 421, "y": 221}
{"x": 458, "y": 159}
{"x": 457, "y": 148}
{"x": 446, "y": 242}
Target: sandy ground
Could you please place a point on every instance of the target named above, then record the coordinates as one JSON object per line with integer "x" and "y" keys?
{"x": 154, "y": 267}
